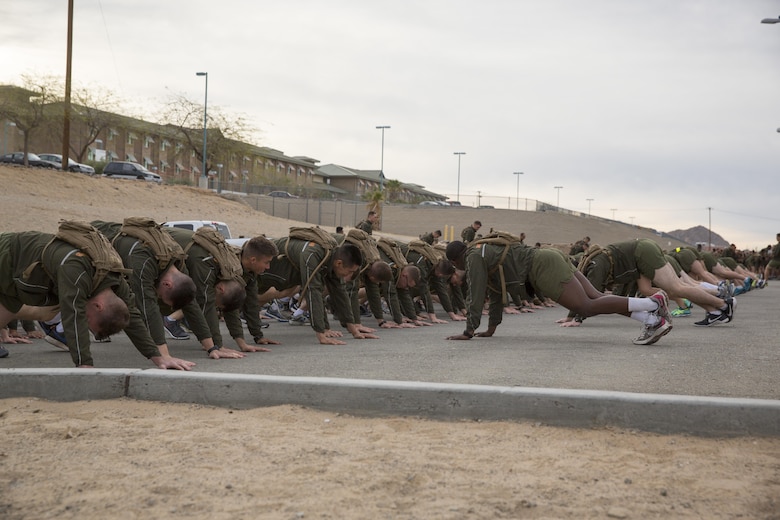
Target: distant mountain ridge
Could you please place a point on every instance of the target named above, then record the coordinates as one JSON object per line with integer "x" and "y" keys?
{"x": 699, "y": 234}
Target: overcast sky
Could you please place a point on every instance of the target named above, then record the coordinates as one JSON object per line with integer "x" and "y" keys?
{"x": 656, "y": 110}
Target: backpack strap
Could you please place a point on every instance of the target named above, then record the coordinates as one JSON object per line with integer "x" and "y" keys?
{"x": 499, "y": 238}
{"x": 318, "y": 236}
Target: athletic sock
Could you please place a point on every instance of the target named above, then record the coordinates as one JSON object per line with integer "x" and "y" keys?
{"x": 642, "y": 304}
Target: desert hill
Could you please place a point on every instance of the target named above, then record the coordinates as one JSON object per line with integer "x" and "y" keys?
{"x": 698, "y": 234}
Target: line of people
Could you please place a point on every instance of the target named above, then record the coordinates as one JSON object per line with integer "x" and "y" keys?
{"x": 159, "y": 278}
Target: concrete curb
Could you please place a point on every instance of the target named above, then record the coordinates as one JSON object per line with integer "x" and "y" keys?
{"x": 707, "y": 416}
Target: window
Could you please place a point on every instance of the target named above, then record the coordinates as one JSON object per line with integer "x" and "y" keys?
{"x": 131, "y": 137}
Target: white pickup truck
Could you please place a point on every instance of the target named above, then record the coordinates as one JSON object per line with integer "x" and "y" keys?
{"x": 193, "y": 225}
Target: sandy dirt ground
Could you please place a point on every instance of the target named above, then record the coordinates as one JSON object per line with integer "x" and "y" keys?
{"x": 128, "y": 459}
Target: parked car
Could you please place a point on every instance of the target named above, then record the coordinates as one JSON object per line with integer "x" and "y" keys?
{"x": 454, "y": 203}
{"x": 32, "y": 160}
{"x": 129, "y": 170}
{"x": 193, "y": 225}
{"x": 282, "y": 195}
{"x": 73, "y": 166}
{"x": 433, "y": 203}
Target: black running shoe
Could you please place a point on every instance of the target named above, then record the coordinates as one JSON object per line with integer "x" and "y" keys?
{"x": 173, "y": 329}
{"x": 712, "y": 319}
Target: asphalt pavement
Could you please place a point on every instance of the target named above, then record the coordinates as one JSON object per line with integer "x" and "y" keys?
{"x": 531, "y": 352}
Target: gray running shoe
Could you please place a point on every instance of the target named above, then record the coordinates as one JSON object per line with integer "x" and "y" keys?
{"x": 651, "y": 334}
{"x": 302, "y": 319}
{"x": 173, "y": 329}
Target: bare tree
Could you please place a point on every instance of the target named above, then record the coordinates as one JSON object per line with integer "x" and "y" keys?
{"x": 227, "y": 135}
{"x": 25, "y": 105}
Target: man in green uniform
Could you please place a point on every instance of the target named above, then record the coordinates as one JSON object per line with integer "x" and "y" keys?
{"x": 367, "y": 225}
{"x": 217, "y": 288}
{"x": 643, "y": 262}
{"x": 396, "y": 291}
{"x": 433, "y": 270}
{"x": 255, "y": 257}
{"x": 469, "y": 233}
{"x": 550, "y": 272}
{"x": 307, "y": 264}
{"x": 38, "y": 271}
{"x": 774, "y": 262}
{"x": 431, "y": 237}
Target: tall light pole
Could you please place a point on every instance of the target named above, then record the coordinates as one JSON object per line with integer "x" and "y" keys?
{"x": 589, "y": 201}
{"x": 517, "y": 195}
{"x": 613, "y": 210}
{"x": 709, "y": 228}
{"x": 219, "y": 178}
{"x": 559, "y": 188}
{"x": 204, "y": 173}
{"x": 382, "y": 164}
{"x": 458, "y": 154}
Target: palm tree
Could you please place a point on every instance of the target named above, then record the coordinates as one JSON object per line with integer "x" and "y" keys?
{"x": 375, "y": 199}
{"x": 393, "y": 188}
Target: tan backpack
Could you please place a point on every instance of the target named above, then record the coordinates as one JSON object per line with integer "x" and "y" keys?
{"x": 367, "y": 246}
{"x": 426, "y": 250}
{"x": 151, "y": 234}
{"x": 391, "y": 249}
{"x": 90, "y": 241}
{"x": 223, "y": 253}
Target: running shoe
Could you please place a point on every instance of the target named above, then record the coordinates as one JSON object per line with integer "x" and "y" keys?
{"x": 679, "y": 312}
{"x": 688, "y": 304}
{"x": 273, "y": 312}
{"x": 301, "y": 319}
{"x": 54, "y": 338}
{"x": 3, "y": 352}
{"x": 748, "y": 284}
{"x": 173, "y": 329}
{"x": 652, "y": 333}
{"x": 663, "y": 305}
{"x": 713, "y": 319}
{"x": 739, "y": 290}
{"x": 731, "y": 306}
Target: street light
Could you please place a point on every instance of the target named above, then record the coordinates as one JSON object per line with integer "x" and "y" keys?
{"x": 613, "y": 210}
{"x": 219, "y": 178}
{"x": 382, "y": 167}
{"x": 458, "y": 154}
{"x": 589, "y": 201}
{"x": 518, "y": 189}
{"x": 559, "y": 188}
{"x": 205, "y": 123}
